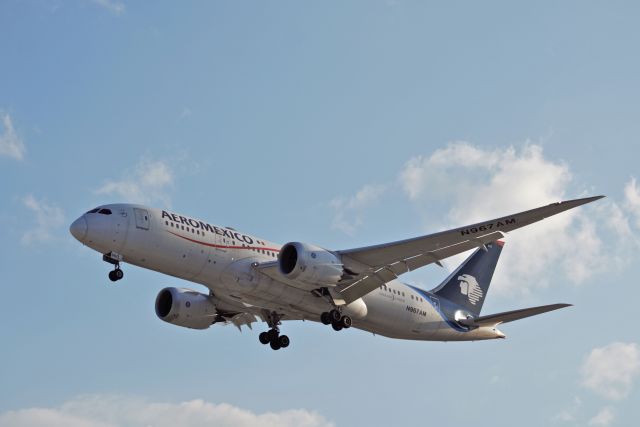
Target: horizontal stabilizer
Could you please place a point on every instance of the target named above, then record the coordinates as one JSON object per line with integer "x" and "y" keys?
{"x": 510, "y": 316}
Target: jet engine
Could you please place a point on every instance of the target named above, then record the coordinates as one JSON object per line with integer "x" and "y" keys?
{"x": 185, "y": 307}
{"x": 310, "y": 264}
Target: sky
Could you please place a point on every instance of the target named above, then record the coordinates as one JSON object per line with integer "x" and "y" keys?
{"x": 340, "y": 124}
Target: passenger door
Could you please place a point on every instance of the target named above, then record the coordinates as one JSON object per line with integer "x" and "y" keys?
{"x": 142, "y": 218}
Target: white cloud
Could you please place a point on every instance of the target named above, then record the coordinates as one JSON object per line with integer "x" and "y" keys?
{"x": 603, "y": 418}
{"x": 149, "y": 182}
{"x": 611, "y": 370}
{"x": 481, "y": 184}
{"x": 632, "y": 199}
{"x": 11, "y": 144}
{"x": 569, "y": 414}
{"x": 47, "y": 219}
{"x": 115, "y": 7}
{"x": 349, "y": 211}
{"x": 107, "y": 411}
{"x": 475, "y": 184}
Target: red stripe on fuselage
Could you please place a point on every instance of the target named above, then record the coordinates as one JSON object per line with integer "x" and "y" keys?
{"x": 223, "y": 246}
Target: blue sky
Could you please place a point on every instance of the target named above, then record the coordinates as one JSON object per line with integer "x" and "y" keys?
{"x": 340, "y": 124}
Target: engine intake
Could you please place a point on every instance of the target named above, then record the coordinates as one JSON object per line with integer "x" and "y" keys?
{"x": 185, "y": 307}
{"x": 310, "y": 265}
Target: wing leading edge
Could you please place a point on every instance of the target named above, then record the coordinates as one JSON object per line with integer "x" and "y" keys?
{"x": 375, "y": 265}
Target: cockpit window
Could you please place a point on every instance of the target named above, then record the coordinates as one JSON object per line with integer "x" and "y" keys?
{"x": 94, "y": 210}
{"x": 105, "y": 211}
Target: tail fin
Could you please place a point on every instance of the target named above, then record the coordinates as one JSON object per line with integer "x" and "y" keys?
{"x": 468, "y": 285}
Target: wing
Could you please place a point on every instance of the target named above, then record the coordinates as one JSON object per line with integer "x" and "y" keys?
{"x": 369, "y": 267}
{"x": 510, "y": 316}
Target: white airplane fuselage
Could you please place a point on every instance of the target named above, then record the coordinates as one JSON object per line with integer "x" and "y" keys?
{"x": 221, "y": 259}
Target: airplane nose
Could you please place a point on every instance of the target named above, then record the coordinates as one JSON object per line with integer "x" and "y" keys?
{"x": 78, "y": 228}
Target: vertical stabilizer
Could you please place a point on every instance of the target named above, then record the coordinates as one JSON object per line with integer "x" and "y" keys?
{"x": 468, "y": 285}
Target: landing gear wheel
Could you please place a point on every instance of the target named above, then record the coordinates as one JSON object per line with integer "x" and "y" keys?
{"x": 337, "y": 326}
{"x": 275, "y": 345}
{"x": 325, "y": 318}
{"x": 335, "y": 315}
{"x": 272, "y": 335}
{"x": 346, "y": 322}
{"x": 283, "y": 341}
{"x": 116, "y": 275}
{"x": 264, "y": 338}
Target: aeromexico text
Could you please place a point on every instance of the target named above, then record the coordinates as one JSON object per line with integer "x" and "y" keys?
{"x": 207, "y": 227}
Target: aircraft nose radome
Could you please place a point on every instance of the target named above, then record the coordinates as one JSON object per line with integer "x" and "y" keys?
{"x": 78, "y": 228}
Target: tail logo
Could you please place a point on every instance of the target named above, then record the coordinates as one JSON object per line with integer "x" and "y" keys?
{"x": 469, "y": 286}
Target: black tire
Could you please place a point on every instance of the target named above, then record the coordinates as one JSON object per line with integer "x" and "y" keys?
{"x": 325, "y": 318}
{"x": 337, "y": 326}
{"x": 118, "y": 274}
{"x": 112, "y": 276}
{"x": 346, "y": 322}
{"x": 283, "y": 341}
{"x": 275, "y": 345}
{"x": 273, "y": 335}
{"x": 264, "y": 338}
{"x": 335, "y": 315}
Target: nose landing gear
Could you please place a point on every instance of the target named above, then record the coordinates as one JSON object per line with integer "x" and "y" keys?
{"x": 114, "y": 258}
{"x": 116, "y": 274}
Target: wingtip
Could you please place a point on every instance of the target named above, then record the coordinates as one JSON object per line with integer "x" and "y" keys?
{"x": 583, "y": 201}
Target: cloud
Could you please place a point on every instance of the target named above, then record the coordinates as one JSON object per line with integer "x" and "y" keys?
{"x": 632, "y": 199}
{"x": 48, "y": 218}
{"x": 149, "y": 182}
{"x": 603, "y": 418}
{"x": 475, "y": 184}
{"x": 610, "y": 371}
{"x": 349, "y": 210}
{"x": 107, "y": 411}
{"x": 481, "y": 184}
{"x": 11, "y": 144}
{"x": 114, "y": 7}
{"x": 569, "y": 415}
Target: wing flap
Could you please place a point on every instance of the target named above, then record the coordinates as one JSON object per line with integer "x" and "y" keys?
{"x": 510, "y": 316}
{"x": 374, "y": 278}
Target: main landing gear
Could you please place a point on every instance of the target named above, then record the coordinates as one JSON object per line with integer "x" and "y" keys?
{"x": 116, "y": 274}
{"x": 336, "y": 320}
{"x": 272, "y": 336}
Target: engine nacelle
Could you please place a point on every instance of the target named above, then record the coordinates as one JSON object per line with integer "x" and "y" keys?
{"x": 185, "y": 307}
{"x": 310, "y": 264}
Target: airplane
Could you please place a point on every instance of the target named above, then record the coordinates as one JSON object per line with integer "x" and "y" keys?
{"x": 249, "y": 278}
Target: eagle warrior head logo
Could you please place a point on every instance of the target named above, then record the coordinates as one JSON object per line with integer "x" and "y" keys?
{"x": 469, "y": 286}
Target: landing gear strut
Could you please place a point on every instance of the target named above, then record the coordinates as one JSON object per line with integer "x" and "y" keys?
{"x": 336, "y": 320}
{"x": 272, "y": 336}
{"x": 113, "y": 258}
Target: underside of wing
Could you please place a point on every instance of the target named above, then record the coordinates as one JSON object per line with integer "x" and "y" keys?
{"x": 372, "y": 266}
